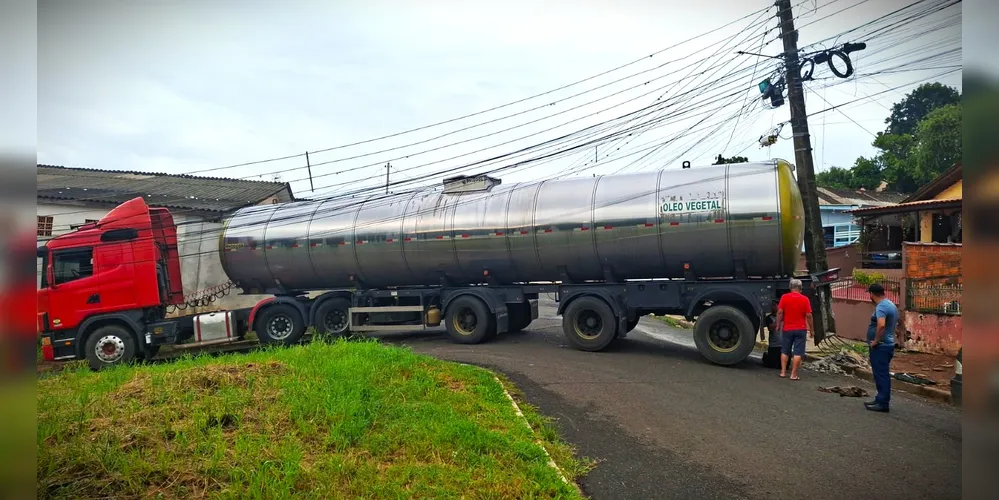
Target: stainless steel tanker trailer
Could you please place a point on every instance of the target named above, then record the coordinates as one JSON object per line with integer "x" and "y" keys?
{"x": 716, "y": 244}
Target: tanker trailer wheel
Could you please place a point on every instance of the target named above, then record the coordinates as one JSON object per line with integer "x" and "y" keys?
{"x": 589, "y": 324}
{"x": 110, "y": 345}
{"x": 280, "y": 324}
{"x": 468, "y": 321}
{"x": 520, "y": 316}
{"x": 724, "y": 335}
{"x": 332, "y": 318}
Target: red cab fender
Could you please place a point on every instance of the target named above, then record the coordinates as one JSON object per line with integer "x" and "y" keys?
{"x": 256, "y": 309}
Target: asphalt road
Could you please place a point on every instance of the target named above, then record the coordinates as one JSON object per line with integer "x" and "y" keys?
{"x": 664, "y": 423}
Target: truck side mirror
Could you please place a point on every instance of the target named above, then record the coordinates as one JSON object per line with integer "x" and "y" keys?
{"x": 40, "y": 252}
{"x": 125, "y": 234}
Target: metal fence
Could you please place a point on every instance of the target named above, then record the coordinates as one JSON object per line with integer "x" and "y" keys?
{"x": 938, "y": 295}
{"x": 849, "y": 288}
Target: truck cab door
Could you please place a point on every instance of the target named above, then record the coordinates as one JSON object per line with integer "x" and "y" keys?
{"x": 72, "y": 293}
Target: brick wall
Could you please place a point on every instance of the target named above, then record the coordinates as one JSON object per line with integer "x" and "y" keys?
{"x": 925, "y": 260}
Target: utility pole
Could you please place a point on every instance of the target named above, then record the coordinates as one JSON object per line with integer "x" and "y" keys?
{"x": 387, "y": 167}
{"x": 815, "y": 246}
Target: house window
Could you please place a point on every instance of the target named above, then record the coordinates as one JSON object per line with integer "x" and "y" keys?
{"x": 70, "y": 265}
{"x": 845, "y": 234}
{"x": 44, "y": 225}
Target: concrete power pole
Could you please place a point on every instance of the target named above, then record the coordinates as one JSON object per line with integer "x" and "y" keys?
{"x": 815, "y": 246}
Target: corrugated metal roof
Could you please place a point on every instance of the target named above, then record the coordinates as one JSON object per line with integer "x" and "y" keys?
{"x": 908, "y": 207}
{"x": 828, "y": 196}
{"x": 213, "y": 194}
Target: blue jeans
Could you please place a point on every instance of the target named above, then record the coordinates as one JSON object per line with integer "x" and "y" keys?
{"x": 880, "y": 366}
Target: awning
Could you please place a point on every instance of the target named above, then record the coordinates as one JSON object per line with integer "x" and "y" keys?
{"x": 912, "y": 206}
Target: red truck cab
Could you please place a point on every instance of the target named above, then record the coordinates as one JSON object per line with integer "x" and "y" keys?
{"x": 112, "y": 278}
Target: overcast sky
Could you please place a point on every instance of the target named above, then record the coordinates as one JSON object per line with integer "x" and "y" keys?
{"x": 187, "y": 86}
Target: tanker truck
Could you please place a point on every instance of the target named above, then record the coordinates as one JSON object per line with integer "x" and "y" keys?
{"x": 716, "y": 244}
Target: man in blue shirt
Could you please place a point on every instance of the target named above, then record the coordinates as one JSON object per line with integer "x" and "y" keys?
{"x": 881, "y": 338}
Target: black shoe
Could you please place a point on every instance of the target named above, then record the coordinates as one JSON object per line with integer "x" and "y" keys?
{"x": 871, "y": 402}
{"x": 877, "y": 407}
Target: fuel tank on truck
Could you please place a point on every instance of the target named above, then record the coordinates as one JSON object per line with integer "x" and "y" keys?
{"x": 715, "y": 219}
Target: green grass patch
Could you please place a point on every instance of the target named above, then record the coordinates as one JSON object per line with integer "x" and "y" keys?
{"x": 859, "y": 348}
{"x": 674, "y": 322}
{"x": 324, "y": 420}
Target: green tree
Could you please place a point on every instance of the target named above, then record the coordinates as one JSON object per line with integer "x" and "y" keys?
{"x": 937, "y": 144}
{"x": 866, "y": 173}
{"x": 907, "y": 113}
{"x": 894, "y": 162}
{"x": 835, "y": 178}
{"x": 735, "y": 159}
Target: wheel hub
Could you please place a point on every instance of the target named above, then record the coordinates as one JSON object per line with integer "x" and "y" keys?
{"x": 280, "y": 327}
{"x": 724, "y": 337}
{"x": 465, "y": 321}
{"x": 588, "y": 325}
{"x": 110, "y": 348}
{"x": 335, "y": 321}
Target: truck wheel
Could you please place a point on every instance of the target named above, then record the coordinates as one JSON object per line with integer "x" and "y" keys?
{"x": 332, "y": 318}
{"x": 469, "y": 321}
{"x": 724, "y": 335}
{"x": 110, "y": 345}
{"x": 589, "y": 324}
{"x": 280, "y": 324}
{"x": 520, "y": 316}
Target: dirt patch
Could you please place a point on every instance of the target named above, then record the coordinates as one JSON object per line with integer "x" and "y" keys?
{"x": 936, "y": 367}
{"x": 445, "y": 380}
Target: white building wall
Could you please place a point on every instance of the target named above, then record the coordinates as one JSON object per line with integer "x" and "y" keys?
{"x": 64, "y": 216}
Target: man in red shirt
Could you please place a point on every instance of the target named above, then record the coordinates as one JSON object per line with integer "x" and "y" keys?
{"x": 794, "y": 322}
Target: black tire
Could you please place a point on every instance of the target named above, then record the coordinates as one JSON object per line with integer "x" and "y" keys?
{"x": 110, "y": 345}
{"x": 468, "y": 321}
{"x": 589, "y": 324}
{"x": 724, "y": 335}
{"x": 520, "y": 316}
{"x": 332, "y": 318}
{"x": 280, "y": 324}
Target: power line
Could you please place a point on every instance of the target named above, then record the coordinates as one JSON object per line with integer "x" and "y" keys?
{"x": 380, "y": 162}
{"x": 477, "y": 113}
